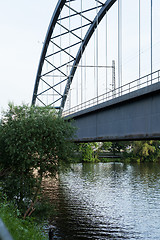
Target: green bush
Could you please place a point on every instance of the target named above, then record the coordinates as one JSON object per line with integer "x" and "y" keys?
{"x": 33, "y": 141}
{"x": 87, "y": 152}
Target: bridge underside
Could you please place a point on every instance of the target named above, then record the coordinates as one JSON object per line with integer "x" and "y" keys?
{"x": 134, "y": 116}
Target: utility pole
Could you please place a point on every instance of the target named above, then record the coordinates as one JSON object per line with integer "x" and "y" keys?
{"x": 113, "y": 79}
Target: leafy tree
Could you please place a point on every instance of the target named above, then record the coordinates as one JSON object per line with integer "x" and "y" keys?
{"x": 33, "y": 141}
{"x": 87, "y": 151}
{"x": 105, "y": 146}
{"x": 120, "y": 146}
{"x": 146, "y": 150}
{"x": 130, "y": 150}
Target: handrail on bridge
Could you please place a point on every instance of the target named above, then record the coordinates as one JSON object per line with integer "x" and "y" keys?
{"x": 142, "y": 82}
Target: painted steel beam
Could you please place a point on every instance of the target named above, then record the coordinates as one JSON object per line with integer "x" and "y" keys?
{"x": 134, "y": 116}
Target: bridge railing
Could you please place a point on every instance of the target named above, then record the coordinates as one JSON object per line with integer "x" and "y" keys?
{"x": 139, "y": 83}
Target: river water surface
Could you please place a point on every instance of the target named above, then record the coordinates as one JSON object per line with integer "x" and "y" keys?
{"x": 107, "y": 201}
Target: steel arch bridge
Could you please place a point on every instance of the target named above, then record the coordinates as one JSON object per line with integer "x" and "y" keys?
{"x": 74, "y": 28}
{"x": 133, "y": 112}
{"x": 60, "y": 28}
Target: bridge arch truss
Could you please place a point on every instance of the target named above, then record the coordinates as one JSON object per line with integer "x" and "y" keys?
{"x": 72, "y": 25}
{"x": 84, "y": 39}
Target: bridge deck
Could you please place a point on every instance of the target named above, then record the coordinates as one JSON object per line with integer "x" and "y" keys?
{"x": 135, "y": 115}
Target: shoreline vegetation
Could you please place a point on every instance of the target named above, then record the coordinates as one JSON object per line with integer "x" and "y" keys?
{"x": 19, "y": 228}
{"x": 127, "y": 151}
{"x": 32, "y": 140}
{"x": 36, "y": 139}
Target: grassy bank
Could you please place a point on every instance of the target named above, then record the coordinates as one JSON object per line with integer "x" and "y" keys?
{"x": 19, "y": 229}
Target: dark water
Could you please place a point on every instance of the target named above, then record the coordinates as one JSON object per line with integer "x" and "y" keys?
{"x": 108, "y": 201}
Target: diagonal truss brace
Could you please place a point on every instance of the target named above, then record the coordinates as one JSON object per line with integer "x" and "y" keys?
{"x": 55, "y": 20}
{"x": 106, "y": 6}
{"x": 52, "y": 24}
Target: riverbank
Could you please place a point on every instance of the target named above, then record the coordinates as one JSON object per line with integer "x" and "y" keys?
{"x": 19, "y": 228}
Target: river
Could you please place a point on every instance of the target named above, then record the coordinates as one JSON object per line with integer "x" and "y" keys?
{"x": 107, "y": 201}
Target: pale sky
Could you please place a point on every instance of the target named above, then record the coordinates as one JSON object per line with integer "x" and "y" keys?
{"x": 23, "y": 25}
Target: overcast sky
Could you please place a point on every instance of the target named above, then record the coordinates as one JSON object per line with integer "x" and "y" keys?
{"x": 23, "y": 25}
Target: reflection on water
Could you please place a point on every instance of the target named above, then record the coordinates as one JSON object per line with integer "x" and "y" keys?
{"x": 108, "y": 201}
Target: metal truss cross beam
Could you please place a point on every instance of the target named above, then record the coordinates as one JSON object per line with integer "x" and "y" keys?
{"x": 66, "y": 41}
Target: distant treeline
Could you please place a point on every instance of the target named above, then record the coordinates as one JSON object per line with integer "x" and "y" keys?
{"x": 140, "y": 151}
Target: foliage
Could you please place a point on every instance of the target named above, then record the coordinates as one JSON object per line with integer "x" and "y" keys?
{"x": 146, "y": 150}
{"x": 33, "y": 140}
{"x": 18, "y": 228}
{"x": 137, "y": 150}
{"x": 106, "y": 146}
{"x": 87, "y": 151}
{"x": 120, "y": 146}
{"x": 128, "y": 150}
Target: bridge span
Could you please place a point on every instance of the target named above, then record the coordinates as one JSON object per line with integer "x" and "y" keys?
{"x": 133, "y": 116}
{"x": 91, "y": 52}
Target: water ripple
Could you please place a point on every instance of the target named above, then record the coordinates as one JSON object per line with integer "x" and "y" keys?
{"x": 108, "y": 201}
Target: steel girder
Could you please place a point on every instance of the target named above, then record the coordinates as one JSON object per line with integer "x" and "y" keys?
{"x": 82, "y": 43}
